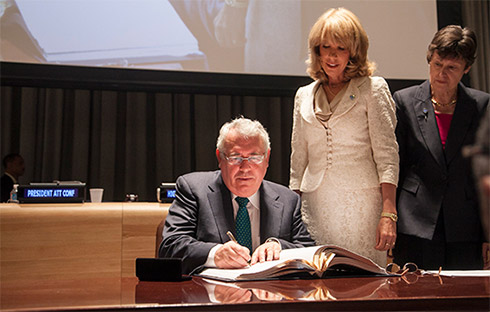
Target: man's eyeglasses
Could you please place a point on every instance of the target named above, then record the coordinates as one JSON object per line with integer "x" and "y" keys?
{"x": 410, "y": 272}
{"x": 237, "y": 160}
{"x": 407, "y": 268}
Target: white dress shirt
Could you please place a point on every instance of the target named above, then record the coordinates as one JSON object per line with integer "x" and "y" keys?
{"x": 253, "y": 208}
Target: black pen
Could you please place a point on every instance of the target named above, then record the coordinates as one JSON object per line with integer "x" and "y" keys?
{"x": 230, "y": 235}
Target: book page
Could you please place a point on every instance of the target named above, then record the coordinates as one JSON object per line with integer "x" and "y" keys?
{"x": 312, "y": 260}
{"x": 306, "y": 253}
{"x": 233, "y": 274}
{"x": 485, "y": 273}
{"x": 285, "y": 256}
{"x": 345, "y": 253}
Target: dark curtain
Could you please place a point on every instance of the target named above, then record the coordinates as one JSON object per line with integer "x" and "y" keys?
{"x": 476, "y": 15}
{"x": 129, "y": 142}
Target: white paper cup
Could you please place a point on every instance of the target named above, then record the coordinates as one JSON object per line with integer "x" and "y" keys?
{"x": 96, "y": 195}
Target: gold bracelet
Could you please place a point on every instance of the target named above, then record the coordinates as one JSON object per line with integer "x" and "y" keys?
{"x": 392, "y": 216}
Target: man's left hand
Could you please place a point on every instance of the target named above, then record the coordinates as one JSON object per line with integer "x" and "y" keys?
{"x": 266, "y": 252}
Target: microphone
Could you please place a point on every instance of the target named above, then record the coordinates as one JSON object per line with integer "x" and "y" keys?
{"x": 426, "y": 113}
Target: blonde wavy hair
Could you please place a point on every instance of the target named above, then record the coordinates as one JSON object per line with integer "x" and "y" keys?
{"x": 342, "y": 27}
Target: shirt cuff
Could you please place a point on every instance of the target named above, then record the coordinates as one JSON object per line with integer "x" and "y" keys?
{"x": 273, "y": 239}
{"x": 210, "y": 260}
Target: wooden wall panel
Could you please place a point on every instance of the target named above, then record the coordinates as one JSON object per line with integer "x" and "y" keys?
{"x": 48, "y": 250}
{"x": 140, "y": 224}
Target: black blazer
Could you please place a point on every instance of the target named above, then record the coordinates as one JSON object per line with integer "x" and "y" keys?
{"x": 202, "y": 213}
{"x": 6, "y": 185}
{"x": 433, "y": 178}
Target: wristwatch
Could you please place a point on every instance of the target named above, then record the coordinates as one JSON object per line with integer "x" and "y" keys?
{"x": 392, "y": 216}
{"x": 239, "y": 4}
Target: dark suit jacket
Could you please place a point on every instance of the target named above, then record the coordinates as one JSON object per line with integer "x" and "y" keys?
{"x": 6, "y": 185}
{"x": 202, "y": 213}
{"x": 432, "y": 178}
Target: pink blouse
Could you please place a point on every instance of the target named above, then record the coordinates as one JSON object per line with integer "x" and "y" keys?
{"x": 443, "y": 122}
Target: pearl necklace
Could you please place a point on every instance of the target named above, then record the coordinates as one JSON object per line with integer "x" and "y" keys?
{"x": 442, "y": 105}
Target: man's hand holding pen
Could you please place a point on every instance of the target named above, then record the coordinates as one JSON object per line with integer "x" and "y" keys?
{"x": 233, "y": 255}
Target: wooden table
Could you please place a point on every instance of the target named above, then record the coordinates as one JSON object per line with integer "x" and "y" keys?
{"x": 346, "y": 294}
{"x": 81, "y": 257}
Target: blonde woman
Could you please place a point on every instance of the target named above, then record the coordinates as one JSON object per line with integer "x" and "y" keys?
{"x": 344, "y": 159}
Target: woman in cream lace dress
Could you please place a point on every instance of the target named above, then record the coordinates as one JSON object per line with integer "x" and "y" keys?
{"x": 344, "y": 159}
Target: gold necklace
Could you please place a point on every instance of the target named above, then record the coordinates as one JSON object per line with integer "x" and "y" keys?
{"x": 442, "y": 105}
{"x": 332, "y": 92}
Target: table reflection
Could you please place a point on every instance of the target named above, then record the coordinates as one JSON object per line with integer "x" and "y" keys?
{"x": 201, "y": 290}
{"x": 315, "y": 290}
{"x": 371, "y": 293}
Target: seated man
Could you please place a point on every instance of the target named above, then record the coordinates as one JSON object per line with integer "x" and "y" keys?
{"x": 207, "y": 206}
{"x": 14, "y": 168}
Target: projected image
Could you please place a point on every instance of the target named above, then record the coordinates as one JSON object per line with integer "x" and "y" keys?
{"x": 250, "y": 36}
{"x": 103, "y": 33}
{"x": 231, "y": 36}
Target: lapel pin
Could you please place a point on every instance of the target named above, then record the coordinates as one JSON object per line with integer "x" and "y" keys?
{"x": 353, "y": 96}
{"x": 426, "y": 113}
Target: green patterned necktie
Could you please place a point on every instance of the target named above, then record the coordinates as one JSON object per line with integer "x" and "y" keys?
{"x": 243, "y": 229}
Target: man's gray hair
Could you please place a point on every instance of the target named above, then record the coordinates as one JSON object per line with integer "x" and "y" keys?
{"x": 245, "y": 128}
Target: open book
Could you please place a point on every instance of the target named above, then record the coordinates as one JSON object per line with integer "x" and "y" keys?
{"x": 308, "y": 262}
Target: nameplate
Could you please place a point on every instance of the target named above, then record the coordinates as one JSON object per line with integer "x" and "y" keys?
{"x": 51, "y": 193}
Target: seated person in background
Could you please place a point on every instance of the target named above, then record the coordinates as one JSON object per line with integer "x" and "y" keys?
{"x": 14, "y": 168}
{"x": 207, "y": 206}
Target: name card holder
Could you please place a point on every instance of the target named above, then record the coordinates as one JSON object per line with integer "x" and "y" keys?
{"x": 57, "y": 192}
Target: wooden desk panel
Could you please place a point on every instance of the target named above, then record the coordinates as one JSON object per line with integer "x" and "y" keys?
{"x": 56, "y": 293}
{"x": 140, "y": 224}
{"x": 48, "y": 250}
{"x": 60, "y": 241}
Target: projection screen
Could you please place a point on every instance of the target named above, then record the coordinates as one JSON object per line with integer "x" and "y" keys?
{"x": 255, "y": 37}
